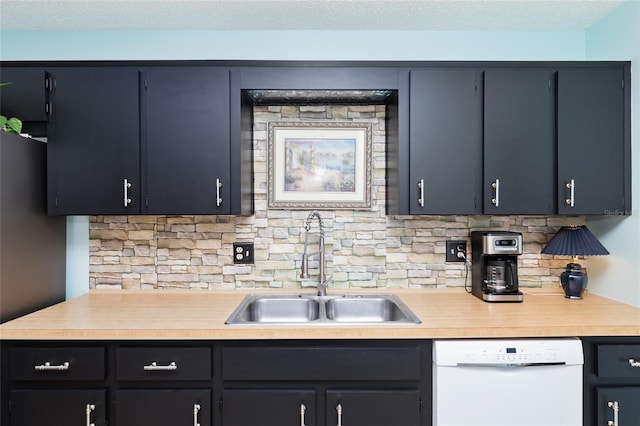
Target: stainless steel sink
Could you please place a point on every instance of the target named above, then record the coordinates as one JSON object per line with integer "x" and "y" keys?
{"x": 260, "y": 309}
{"x": 366, "y": 309}
{"x": 276, "y": 309}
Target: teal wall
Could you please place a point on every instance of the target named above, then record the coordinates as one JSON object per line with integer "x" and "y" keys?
{"x": 279, "y": 45}
{"x": 292, "y": 45}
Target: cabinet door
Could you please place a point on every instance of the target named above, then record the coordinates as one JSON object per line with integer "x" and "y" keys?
{"x": 445, "y": 141}
{"x": 373, "y": 407}
{"x": 94, "y": 142}
{"x": 519, "y": 141}
{"x": 242, "y": 407}
{"x": 58, "y": 407}
{"x": 173, "y": 407}
{"x": 623, "y": 400}
{"x": 27, "y": 96}
{"x": 186, "y": 142}
{"x": 591, "y": 145}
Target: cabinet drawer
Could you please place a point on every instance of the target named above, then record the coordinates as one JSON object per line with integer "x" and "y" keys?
{"x": 619, "y": 361}
{"x": 163, "y": 363}
{"x": 57, "y": 363}
{"x": 321, "y": 363}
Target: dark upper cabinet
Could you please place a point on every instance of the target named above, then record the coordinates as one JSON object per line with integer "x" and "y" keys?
{"x": 186, "y": 140}
{"x": 445, "y": 141}
{"x": 94, "y": 150}
{"x": 27, "y": 97}
{"x": 156, "y": 140}
{"x": 593, "y": 176}
{"x": 519, "y": 141}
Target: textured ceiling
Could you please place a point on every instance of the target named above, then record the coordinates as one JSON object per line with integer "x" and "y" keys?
{"x": 459, "y": 15}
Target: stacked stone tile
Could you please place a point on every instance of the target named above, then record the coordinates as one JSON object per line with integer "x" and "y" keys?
{"x": 365, "y": 248}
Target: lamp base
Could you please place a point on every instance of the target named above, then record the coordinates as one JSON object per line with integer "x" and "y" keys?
{"x": 574, "y": 281}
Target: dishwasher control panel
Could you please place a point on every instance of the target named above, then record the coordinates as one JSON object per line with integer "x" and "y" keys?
{"x": 508, "y": 352}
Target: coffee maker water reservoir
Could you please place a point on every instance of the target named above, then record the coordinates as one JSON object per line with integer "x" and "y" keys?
{"x": 494, "y": 276}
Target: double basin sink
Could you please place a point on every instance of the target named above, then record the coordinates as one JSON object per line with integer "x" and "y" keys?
{"x": 308, "y": 309}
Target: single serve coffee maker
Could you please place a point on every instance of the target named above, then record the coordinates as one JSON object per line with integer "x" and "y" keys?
{"x": 494, "y": 270}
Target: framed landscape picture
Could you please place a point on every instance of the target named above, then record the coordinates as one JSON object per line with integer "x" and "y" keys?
{"x": 320, "y": 165}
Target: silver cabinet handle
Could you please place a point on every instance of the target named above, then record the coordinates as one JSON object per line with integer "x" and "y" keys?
{"x": 127, "y": 200}
{"x": 634, "y": 363}
{"x": 572, "y": 194}
{"x": 421, "y": 199}
{"x": 196, "y": 410}
{"x": 48, "y": 367}
{"x": 339, "y": 411}
{"x": 87, "y": 411}
{"x": 616, "y": 408}
{"x": 155, "y": 367}
{"x": 496, "y": 186}
{"x": 303, "y": 409}
{"x": 218, "y": 198}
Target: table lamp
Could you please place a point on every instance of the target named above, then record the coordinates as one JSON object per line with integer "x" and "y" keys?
{"x": 574, "y": 241}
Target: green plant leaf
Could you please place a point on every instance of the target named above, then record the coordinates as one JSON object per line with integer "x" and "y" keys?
{"x": 11, "y": 125}
{"x": 14, "y": 125}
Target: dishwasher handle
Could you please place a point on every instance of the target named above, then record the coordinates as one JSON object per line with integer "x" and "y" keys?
{"x": 509, "y": 364}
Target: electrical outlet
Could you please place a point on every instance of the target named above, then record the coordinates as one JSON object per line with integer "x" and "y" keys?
{"x": 455, "y": 247}
{"x": 243, "y": 253}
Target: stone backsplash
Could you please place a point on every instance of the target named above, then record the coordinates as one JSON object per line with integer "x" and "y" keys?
{"x": 365, "y": 248}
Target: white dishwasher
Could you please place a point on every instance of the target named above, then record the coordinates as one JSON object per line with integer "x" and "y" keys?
{"x": 514, "y": 382}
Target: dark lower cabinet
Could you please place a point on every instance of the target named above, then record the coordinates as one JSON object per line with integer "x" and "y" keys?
{"x": 372, "y": 383}
{"x": 268, "y": 407}
{"x": 275, "y": 407}
{"x": 171, "y": 407}
{"x": 221, "y": 383}
{"x": 611, "y": 381}
{"x": 618, "y": 406}
{"x": 58, "y": 407}
{"x": 373, "y": 407}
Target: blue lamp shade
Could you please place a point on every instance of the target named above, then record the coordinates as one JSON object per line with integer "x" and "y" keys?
{"x": 574, "y": 241}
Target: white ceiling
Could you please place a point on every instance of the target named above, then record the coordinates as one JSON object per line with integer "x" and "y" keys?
{"x": 458, "y": 15}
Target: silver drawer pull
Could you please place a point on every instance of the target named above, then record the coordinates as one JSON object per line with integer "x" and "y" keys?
{"x": 48, "y": 367}
{"x": 88, "y": 410}
{"x": 421, "y": 199}
{"x": 196, "y": 410}
{"x": 571, "y": 201}
{"x": 127, "y": 200}
{"x": 616, "y": 408}
{"x": 634, "y": 363}
{"x": 218, "y": 197}
{"x": 155, "y": 367}
{"x": 303, "y": 409}
{"x": 496, "y": 189}
{"x": 339, "y": 411}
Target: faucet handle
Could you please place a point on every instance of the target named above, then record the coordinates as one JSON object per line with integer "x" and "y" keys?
{"x": 304, "y": 269}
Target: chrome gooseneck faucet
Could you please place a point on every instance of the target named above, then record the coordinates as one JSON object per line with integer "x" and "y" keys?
{"x": 304, "y": 273}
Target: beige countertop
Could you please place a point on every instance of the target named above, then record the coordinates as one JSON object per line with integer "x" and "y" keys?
{"x": 200, "y": 314}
